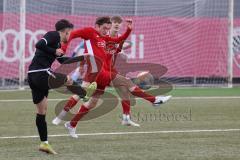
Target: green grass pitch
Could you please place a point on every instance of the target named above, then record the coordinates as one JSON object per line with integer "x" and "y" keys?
{"x": 182, "y": 113}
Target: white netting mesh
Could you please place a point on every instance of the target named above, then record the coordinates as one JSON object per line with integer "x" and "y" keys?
{"x": 189, "y": 37}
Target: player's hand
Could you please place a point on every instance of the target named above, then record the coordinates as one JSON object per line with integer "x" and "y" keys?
{"x": 129, "y": 23}
{"x": 59, "y": 52}
{"x": 69, "y": 81}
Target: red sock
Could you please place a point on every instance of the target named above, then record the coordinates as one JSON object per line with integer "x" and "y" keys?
{"x": 140, "y": 93}
{"x": 70, "y": 104}
{"x": 126, "y": 106}
{"x": 83, "y": 110}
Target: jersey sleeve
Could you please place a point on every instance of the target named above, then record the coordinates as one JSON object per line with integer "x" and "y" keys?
{"x": 118, "y": 39}
{"x": 84, "y": 33}
{"x": 45, "y": 43}
{"x": 51, "y": 37}
{"x": 120, "y": 47}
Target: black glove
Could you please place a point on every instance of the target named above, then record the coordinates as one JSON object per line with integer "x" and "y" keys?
{"x": 68, "y": 60}
{"x": 77, "y": 89}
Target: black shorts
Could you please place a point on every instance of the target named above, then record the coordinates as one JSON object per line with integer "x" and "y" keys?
{"x": 41, "y": 82}
{"x": 38, "y": 83}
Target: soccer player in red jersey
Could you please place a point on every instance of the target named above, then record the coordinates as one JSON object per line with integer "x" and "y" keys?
{"x": 123, "y": 85}
{"x": 108, "y": 59}
{"x": 114, "y": 51}
{"x": 106, "y": 75}
{"x": 95, "y": 43}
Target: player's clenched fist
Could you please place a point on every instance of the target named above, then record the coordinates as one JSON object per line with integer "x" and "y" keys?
{"x": 59, "y": 52}
{"x": 129, "y": 23}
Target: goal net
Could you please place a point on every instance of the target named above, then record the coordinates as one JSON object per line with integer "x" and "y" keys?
{"x": 188, "y": 38}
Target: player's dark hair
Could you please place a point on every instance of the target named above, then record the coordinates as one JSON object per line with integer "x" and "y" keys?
{"x": 116, "y": 19}
{"x": 63, "y": 24}
{"x": 101, "y": 20}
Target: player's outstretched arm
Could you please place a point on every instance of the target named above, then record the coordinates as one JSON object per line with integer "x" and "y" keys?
{"x": 124, "y": 36}
{"x": 84, "y": 33}
{"x": 69, "y": 60}
{"x": 119, "y": 39}
{"x": 123, "y": 46}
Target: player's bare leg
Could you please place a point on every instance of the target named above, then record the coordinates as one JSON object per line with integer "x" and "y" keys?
{"x": 73, "y": 100}
{"x": 120, "y": 80}
{"x": 84, "y": 109}
{"x": 123, "y": 92}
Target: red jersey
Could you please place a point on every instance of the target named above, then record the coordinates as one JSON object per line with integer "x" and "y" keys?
{"x": 113, "y": 49}
{"x": 97, "y": 44}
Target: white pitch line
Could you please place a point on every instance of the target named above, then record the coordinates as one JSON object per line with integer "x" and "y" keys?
{"x": 217, "y": 97}
{"x": 175, "y": 98}
{"x": 28, "y": 100}
{"x": 126, "y": 133}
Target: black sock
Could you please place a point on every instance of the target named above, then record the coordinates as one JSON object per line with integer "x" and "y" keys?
{"x": 41, "y": 126}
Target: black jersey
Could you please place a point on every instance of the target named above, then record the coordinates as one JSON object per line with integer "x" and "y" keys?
{"x": 46, "y": 51}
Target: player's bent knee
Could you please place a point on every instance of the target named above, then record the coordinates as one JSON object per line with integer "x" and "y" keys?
{"x": 42, "y": 110}
{"x": 57, "y": 80}
{"x": 76, "y": 97}
{"x": 42, "y": 106}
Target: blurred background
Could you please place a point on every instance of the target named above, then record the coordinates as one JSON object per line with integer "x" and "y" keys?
{"x": 189, "y": 37}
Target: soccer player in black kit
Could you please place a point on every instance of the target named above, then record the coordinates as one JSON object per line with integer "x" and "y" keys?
{"x": 47, "y": 50}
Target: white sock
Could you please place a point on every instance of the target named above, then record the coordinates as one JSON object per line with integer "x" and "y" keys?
{"x": 62, "y": 114}
{"x": 126, "y": 117}
{"x": 45, "y": 142}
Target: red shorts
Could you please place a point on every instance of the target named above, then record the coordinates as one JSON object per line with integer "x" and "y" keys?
{"x": 102, "y": 78}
